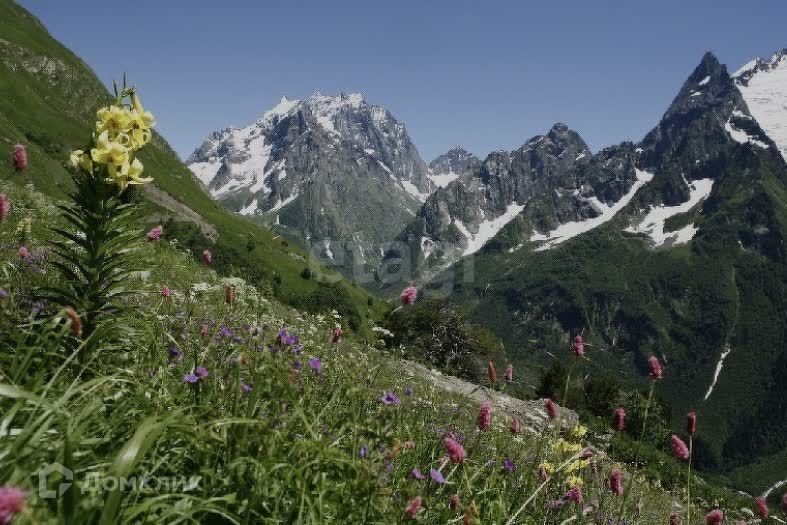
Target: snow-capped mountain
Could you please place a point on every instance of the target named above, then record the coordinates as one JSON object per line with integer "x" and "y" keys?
{"x": 327, "y": 169}
{"x": 763, "y": 84}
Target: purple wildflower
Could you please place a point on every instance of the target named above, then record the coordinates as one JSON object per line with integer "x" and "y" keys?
{"x": 202, "y": 372}
{"x": 436, "y": 476}
{"x": 389, "y": 398}
{"x": 245, "y": 388}
{"x": 190, "y": 378}
{"x": 316, "y": 365}
{"x": 408, "y": 391}
{"x": 175, "y": 354}
{"x": 417, "y": 474}
{"x": 509, "y": 465}
{"x": 364, "y": 452}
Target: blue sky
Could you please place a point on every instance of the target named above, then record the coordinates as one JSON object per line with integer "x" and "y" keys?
{"x": 484, "y": 75}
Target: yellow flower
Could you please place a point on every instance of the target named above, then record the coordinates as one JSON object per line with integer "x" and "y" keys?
{"x": 561, "y": 445}
{"x": 140, "y": 134}
{"x": 548, "y": 467}
{"x": 109, "y": 152}
{"x": 129, "y": 174}
{"x": 574, "y": 481}
{"x": 113, "y": 119}
{"x": 577, "y": 465}
{"x": 80, "y": 159}
{"x": 579, "y": 431}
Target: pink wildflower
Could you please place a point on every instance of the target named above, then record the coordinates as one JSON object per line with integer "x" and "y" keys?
{"x": 679, "y": 448}
{"x": 456, "y": 452}
{"x": 413, "y": 507}
{"x": 516, "y": 426}
{"x": 578, "y": 346}
{"x": 155, "y": 233}
{"x": 714, "y": 517}
{"x": 575, "y": 495}
{"x": 20, "y": 157}
{"x": 12, "y": 501}
{"x": 23, "y": 252}
{"x": 619, "y": 419}
{"x": 409, "y": 295}
{"x": 336, "y": 335}
{"x": 207, "y": 257}
{"x": 674, "y": 518}
{"x": 616, "y": 481}
{"x": 551, "y": 408}
{"x": 203, "y": 330}
{"x": 509, "y": 375}
{"x": 5, "y": 206}
{"x": 229, "y": 293}
{"x": 655, "y": 367}
{"x": 691, "y": 422}
{"x": 166, "y": 292}
{"x": 453, "y": 502}
{"x": 762, "y": 507}
{"x": 485, "y": 417}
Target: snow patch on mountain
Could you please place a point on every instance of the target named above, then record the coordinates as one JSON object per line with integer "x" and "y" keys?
{"x": 284, "y": 106}
{"x": 412, "y": 189}
{"x": 250, "y": 208}
{"x": 569, "y": 230}
{"x": 488, "y": 228}
{"x": 654, "y": 221}
{"x": 441, "y": 180}
{"x": 282, "y": 203}
{"x": 763, "y": 84}
{"x": 741, "y": 136}
{"x": 206, "y": 171}
{"x": 719, "y": 366}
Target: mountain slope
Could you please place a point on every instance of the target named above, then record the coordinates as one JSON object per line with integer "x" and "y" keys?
{"x": 692, "y": 268}
{"x": 49, "y": 99}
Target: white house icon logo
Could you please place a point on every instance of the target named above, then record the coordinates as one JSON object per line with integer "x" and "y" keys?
{"x": 43, "y": 477}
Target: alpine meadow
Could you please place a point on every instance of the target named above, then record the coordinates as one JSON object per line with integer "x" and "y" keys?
{"x": 300, "y": 320}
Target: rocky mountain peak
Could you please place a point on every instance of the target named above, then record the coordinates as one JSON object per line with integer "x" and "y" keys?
{"x": 450, "y": 165}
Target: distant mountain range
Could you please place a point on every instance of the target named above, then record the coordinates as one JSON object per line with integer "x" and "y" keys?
{"x": 673, "y": 245}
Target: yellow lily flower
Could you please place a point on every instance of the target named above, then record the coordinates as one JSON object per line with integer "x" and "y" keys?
{"x": 135, "y": 172}
{"x": 114, "y": 119}
{"x": 80, "y": 159}
{"x": 108, "y": 151}
{"x": 129, "y": 174}
{"x": 140, "y": 135}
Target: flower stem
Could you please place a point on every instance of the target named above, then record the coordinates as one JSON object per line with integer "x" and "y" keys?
{"x": 622, "y": 508}
{"x": 688, "y": 481}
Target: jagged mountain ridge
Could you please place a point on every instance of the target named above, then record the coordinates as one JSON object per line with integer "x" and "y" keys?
{"x": 561, "y": 189}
